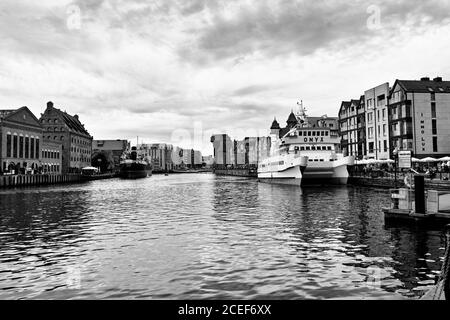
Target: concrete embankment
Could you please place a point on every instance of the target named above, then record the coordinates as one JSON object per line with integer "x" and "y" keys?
{"x": 37, "y": 180}
{"x": 389, "y": 183}
{"x": 236, "y": 172}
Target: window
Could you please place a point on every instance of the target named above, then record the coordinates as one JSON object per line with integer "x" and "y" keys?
{"x": 27, "y": 147}
{"x": 384, "y": 130}
{"x": 326, "y": 133}
{"x": 384, "y": 114}
{"x": 370, "y": 133}
{"x": 21, "y": 147}
{"x": 371, "y": 144}
{"x": 435, "y": 146}
{"x": 385, "y": 145}
{"x": 15, "y": 140}
{"x": 8, "y": 145}
{"x": 433, "y": 109}
{"x": 37, "y": 147}
{"x": 434, "y": 126}
{"x": 433, "y": 96}
{"x": 32, "y": 148}
{"x": 329, "y": 148}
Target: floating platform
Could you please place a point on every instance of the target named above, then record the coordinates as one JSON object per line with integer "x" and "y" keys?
{"x": 390, "y": 213}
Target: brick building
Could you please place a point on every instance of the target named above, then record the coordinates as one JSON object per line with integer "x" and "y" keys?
{"x": 67, "y": 130}
{"x": 20, "y": 141}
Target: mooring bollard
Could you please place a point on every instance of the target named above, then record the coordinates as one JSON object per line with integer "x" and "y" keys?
{"x": 419, "y": 188}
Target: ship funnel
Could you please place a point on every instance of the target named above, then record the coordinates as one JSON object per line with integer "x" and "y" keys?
{"x": 133, "y": 153}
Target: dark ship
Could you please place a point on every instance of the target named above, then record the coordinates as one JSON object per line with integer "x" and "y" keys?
{"x": 133, "y": 168}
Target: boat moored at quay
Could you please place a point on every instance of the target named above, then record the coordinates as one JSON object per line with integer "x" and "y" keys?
{"x": 304, "y": 153}
{"x": 133, "y": 168}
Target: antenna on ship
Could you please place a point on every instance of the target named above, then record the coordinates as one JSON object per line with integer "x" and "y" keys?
{"x": 301, "y": 114}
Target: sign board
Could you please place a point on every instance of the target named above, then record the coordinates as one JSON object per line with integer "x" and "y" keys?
{"x": 404, "y": 159}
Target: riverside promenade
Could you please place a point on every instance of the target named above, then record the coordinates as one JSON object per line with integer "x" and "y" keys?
{"x": 13, "y": 181}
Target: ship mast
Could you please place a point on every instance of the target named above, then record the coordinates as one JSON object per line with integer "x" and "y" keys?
{"x": 301, "y": 113}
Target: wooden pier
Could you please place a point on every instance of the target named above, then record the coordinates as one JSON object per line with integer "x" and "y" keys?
{"x": 14, "y": 181}
{"x": 418, "y": 204}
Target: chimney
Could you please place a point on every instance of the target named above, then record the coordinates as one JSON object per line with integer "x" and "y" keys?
{"x": 49, "y": 105}
{"x": 76, "y": 117}
{"x": 437, "y": 79}
{"x": 425, "y": 79}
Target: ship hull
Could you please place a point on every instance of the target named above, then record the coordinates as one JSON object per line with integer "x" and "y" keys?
{"x": 283, "y": 170}
{"x": 323, "y": 173}
{"x": 291, "y": 176}
{"x": 134, "y": 171}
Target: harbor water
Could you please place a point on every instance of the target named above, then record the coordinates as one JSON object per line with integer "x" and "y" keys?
{"x": 201, "y": 236}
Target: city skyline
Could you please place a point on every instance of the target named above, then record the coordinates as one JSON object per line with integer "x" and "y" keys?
{"x": 148, "y": 69}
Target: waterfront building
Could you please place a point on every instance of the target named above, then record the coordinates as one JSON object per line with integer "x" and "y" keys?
{"x": 67, "y": 130}
{"x": 419, "y": 117}
{"x": 256, "y": 149}
{"x": 198, "y": 159}
{"x": 177, "y": 158}
{"x": 51, "y": 157}
{"x": 377, "y": 122}
{"x": 20, "y": 141}
{"x": 224, "y": 149}
{"x": 207, "y": 161}
{"x": 352, "y": 128}
{"x": 107, "y": 154}
{"x": 160, "y": 155}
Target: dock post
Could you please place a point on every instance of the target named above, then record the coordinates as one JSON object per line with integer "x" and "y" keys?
{"x": 419, "y": 186}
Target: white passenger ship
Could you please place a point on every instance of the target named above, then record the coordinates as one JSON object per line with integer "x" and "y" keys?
{"x": 306, "y": 151}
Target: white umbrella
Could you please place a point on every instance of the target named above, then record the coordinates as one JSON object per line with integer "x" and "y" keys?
{"x": 447, "y": 158}
{"x": 429, "y": 159}
{"x": 415, "y": 159}
{"x": 358, "y": 162}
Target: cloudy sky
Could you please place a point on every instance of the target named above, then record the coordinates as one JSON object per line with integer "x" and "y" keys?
{"x": 178, "y": 70}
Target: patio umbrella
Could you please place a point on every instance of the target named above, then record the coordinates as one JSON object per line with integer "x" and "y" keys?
{"x": 415, "y": 160}
{"x": 447, "y": 158}
{"x": 429, "y": 159}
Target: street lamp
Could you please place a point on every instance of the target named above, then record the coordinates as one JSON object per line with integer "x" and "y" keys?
{"x": 395, "y": 152}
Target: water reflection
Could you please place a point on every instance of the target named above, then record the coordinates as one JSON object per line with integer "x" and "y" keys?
{"x": 201, "y": 236}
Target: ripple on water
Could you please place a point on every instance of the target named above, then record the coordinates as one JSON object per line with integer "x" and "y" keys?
{"x": 206, "y": 237}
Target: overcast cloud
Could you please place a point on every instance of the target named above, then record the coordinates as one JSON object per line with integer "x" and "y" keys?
{"x": 149, "y": 68}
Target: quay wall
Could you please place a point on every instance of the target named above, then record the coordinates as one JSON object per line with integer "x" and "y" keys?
{"x": 38, "y": 180}
{"x": 389, "y": 183}
{"x": 236, "y": 172}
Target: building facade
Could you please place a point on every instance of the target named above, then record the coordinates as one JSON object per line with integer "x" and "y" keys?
{"x": 419, "y": 117}
{"x": 224, "y": 149}
{"x": 160, "y": 155}
{"x": 51, "y": 157}
{"x": 352, "y": 128}
{"x": 20, "y": 141}
{"x": 76, "y": 142}
{"x": 377, "y": 122}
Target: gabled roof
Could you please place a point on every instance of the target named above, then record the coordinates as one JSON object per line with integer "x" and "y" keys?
{"x": 9, "y": 113}
{"x": 423, "y": 86}
{"x": 71, "y": 121}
